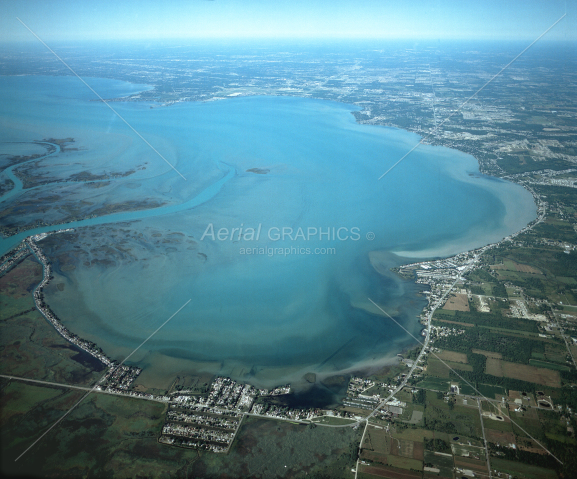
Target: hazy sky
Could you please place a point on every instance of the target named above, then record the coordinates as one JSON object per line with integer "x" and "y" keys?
{"x": 55, "y": 20}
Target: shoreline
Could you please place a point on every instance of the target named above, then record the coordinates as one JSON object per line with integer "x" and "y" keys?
{"x": 446, "y": 251}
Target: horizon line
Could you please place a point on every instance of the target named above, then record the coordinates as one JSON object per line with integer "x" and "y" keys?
{"x": 288, "y": 38}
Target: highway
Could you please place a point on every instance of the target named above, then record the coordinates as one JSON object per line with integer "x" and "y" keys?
{"x": 484, "y": 437}
{"x": 83, "y": 388}
{"x": 425, "y": 344}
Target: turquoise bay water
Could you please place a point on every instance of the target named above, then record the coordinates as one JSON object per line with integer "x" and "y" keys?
{"x": 280, "y": 312}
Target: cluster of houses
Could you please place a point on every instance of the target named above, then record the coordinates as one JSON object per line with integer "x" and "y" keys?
{"x": 210, "y": 421}
{"x": 13, "y": 258}
{"x": 121, "y": 377}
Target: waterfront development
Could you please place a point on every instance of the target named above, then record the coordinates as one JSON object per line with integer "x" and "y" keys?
{"x": 489, "y": 385}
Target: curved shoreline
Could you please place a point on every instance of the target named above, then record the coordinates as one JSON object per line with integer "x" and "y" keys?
{"x": 114, "y": 218}
{"x": 45, "y": 310}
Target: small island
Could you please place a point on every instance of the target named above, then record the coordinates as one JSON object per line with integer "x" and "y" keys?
{"x": 259, "y": 171}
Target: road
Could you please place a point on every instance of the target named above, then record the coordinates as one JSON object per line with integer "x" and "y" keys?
{"x": 562, "y": 331}
{"x": 83, "y": 388}
{"x": 484, "y": 437}
{"x": 425, "y": 344}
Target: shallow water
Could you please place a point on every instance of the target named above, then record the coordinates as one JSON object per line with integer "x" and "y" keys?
{"x": 293, "y": 304}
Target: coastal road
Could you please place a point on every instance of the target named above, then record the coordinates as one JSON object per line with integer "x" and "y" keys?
{"x": 45, "y": 383}
{"x": 83, "y": 388}
{"x": 472, "y": 263}
{"x": 425, "y": 344}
